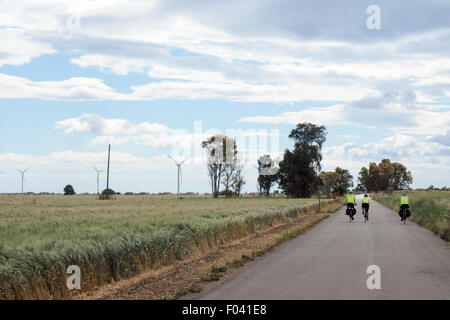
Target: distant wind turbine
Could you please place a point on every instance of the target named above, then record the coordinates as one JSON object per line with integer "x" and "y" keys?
{"x": 180, "y": 176}
{"x": 23, "y": 175}
{"x": 98, "y": 178}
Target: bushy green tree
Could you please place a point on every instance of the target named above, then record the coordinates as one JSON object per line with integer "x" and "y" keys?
{"x": 385, "y": 176}
{"x": 297, "y": 174}
{"x": 69, "y": 190}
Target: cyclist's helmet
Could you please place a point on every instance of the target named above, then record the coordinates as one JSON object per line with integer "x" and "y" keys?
{"x": 366, "y": 195}
{"x": 404, "y": 194}
{"x": 350, "y": 192}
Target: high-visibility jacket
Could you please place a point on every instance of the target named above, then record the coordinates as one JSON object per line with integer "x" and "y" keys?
{"x": 404, "y": 200}
{"x": 366, "y": 200}
{"x": 351, "y": 198}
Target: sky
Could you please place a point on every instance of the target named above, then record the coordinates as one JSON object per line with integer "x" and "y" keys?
{"x": 155, "y": 78}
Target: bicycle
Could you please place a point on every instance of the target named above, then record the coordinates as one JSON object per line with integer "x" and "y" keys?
{"x": 404, "y": 215}
{"x": 365, "y": 214}
{"x": 350, "y": 212}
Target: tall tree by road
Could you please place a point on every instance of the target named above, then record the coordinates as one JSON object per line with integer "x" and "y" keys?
{"x": 297, "y": 174}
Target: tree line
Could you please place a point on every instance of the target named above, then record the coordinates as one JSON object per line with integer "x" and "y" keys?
{"x": 299, "y": 170}
{"x": 296, "y": 173}
{"x": 385, "y": 176}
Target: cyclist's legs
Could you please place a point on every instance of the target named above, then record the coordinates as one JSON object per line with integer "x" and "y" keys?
{"x": 403, "y": 206}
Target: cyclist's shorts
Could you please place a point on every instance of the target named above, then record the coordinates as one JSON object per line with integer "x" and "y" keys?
{"x": 365, "y": 205}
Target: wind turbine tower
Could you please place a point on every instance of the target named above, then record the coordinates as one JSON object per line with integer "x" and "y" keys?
{"x": 180, "y": 176}
{"x": 98, "y": 178}
{"x": 23, "y": 175}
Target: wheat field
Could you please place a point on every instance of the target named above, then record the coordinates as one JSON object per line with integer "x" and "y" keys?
{"x": 41, "y": 235}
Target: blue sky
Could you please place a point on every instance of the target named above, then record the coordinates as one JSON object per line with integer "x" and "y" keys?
{"x": 143, "y": 74}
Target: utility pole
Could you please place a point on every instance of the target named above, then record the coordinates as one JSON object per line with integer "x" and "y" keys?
{"x": 107, "y": 175}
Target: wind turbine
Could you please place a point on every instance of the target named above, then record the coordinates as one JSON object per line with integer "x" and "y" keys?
{"x": 178, "y": 164}
{"x": 98, "y": 177}
{"x": 23, "y": 175}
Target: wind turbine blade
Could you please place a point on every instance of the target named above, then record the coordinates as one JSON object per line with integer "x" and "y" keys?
{"x": 184, "y": 160}
{"x": 173, "y": 159}
{"x": 26, "y": 170}
{"x": 94, "y": 167}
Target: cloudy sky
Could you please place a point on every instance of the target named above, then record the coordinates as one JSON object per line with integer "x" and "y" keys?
{"x": 156, "y": 77}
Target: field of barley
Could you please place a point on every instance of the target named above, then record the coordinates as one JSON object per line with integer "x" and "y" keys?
{"x": 41, "y": 235}
{"x": 430, "y": 209}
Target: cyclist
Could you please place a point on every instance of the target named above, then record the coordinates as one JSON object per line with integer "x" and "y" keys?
{"x": 351, "y": 202}
{"x": 365, "y": 204}
{"x": 404, "y": 204}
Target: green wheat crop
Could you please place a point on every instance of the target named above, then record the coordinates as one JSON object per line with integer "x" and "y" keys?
{"x": 40, "y": 236}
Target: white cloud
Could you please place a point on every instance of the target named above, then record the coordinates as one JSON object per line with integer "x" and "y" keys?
{"x": 78, "y": 89}
{"x": 94, "y": 124}
{"x": 421, "y": 156}
{"x": 206, "y": 56}
{"x": 348, "y": 136}
{"x": 395, "y": 111}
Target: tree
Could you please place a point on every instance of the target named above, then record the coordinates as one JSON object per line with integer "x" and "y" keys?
{"x": 364, "y": 179}
{"x": 402, "y": 177}
{"x": 345, "y": 178}
{"x": 267, "y": 174}
{"x": 108, "y": 192}
{"x": 221, "y": 151}
{"x": 338, "y": 181}
{"x": 69, "y": 190}
{"x": 297, "y": 174}
{"x": 330, "y": 180}
{"x": 238, "y": 180}
{"x": 385, "y": 176}
{"x": 228, "y": 175}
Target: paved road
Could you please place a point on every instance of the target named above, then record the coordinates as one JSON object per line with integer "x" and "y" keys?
{"x": 330, "y": 262}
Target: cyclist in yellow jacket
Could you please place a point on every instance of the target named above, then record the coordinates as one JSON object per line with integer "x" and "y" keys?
{"x": 404, "y": 204}
{"x": 365, "y": 204}
{"x": 351, "y": 202}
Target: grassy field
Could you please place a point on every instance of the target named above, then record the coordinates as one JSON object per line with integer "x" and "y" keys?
{"x": 40, "y": 236}
{"x": 430, "y": 209}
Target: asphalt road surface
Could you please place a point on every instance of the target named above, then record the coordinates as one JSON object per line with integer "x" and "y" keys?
{"x": 330, "y": 261}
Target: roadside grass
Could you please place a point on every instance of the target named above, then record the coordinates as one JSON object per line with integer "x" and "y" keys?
{"x": 430, "y": 209}
{"x": 40, "y": 236}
